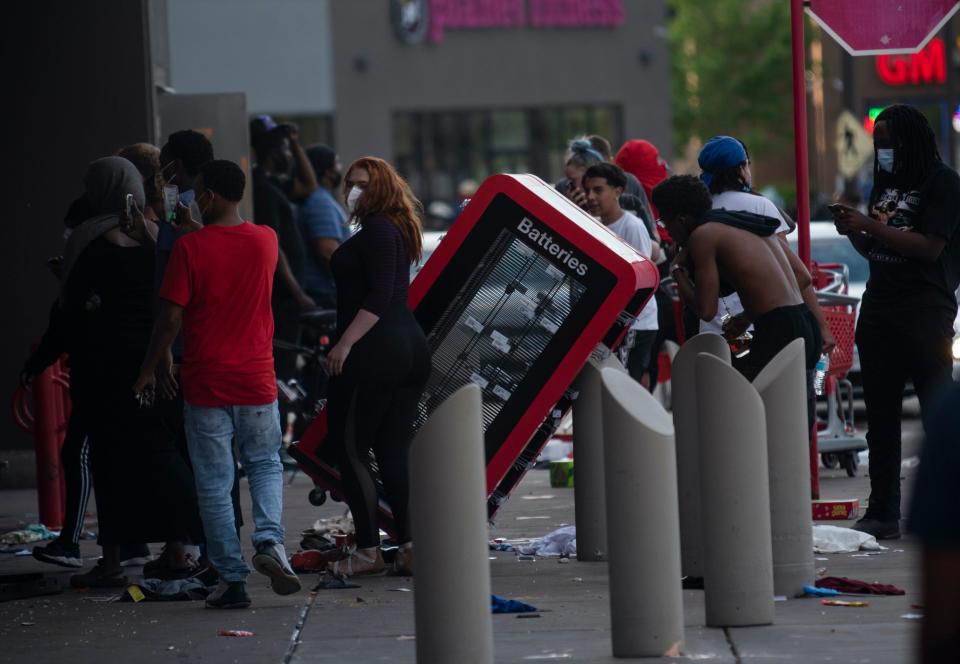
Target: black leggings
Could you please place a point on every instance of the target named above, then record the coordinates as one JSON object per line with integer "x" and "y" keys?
{"x": 373, "y": 406}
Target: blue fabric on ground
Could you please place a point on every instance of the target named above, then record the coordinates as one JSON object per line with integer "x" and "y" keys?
{"x": 503, "y": 605}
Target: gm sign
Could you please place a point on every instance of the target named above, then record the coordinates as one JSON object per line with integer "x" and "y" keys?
{"x": 928, "y": 67}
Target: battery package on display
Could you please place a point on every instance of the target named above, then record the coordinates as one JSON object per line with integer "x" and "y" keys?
{"x": 521, "y": 291}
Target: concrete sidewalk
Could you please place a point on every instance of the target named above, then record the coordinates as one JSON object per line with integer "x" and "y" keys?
{"x": 374, "y": 623}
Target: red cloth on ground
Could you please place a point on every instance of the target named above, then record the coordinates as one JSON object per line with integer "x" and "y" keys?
{"x": 222, "y": 276}
{"x": 845, "y": 585}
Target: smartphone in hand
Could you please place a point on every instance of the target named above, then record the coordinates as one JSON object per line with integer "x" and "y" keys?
{"x": 171, "y": 196}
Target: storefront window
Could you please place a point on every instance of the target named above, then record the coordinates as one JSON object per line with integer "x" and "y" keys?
{"x": 436, "y": 151}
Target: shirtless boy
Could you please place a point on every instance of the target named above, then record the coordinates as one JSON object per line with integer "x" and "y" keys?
{"x": 736, "y": 251}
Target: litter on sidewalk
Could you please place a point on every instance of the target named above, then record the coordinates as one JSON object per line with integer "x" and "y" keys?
{"x": 503, "y": 605}
{"x": 855, "y": 586}
{"x": 234, "y": 632}
{"x": 173, "y": 590}
{"x": 834, "y": 539}
{"x": 335, "y": 583}
{"x": 561, "y": 542}
{"x": 35, "y": 532}
{"x": 841, "y": 602}
{"x": 835, "y": 510}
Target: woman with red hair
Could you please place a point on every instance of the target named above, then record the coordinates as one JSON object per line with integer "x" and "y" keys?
{"x": 381, "y": 362}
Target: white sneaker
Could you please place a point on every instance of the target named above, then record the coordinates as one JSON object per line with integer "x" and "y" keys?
{"x": 271, "y": 560}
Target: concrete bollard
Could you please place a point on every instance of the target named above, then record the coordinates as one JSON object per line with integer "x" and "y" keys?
{"x": 735, "y": 497}
{"x": 684, "y": 388}
{"x": 646, "y": 600}
{"x": 449, "y": 526}
{"x": 589, "y": 504}
{"x": 782, "y": 386}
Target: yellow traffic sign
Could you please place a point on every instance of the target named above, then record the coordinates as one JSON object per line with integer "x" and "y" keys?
{"x": 854, "y": 145}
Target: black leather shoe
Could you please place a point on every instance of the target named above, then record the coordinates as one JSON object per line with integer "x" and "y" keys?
{"x": 882, "y": 529}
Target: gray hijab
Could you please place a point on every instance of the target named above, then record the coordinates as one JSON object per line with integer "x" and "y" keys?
{"x": 107, "y": 182}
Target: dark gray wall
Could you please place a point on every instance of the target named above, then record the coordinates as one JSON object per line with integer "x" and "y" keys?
{"x": 496, "y": 68}
{"x": 81, "y": 88}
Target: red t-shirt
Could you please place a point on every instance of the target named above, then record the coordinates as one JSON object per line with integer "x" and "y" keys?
{"x": 222, "y": 277}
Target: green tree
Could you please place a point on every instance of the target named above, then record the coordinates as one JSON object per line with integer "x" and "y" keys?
{"x": 731, "y": 72}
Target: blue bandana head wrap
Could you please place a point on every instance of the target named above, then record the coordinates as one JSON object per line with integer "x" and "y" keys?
{"x": 718, "y": 153}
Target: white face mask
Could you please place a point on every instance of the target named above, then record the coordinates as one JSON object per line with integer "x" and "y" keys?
{"x": 353, "y": 197}
{"x": 885, "y": 159}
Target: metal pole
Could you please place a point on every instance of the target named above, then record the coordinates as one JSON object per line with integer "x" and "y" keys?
{"x": 48, "y": 416}
{"x": 684, "y": 385}
{"x": 735, "y": 498}
{"x": 646, "y": 600}
{"x": 782, "y": 386}
{"x": 800, "y": 129}
{"x": 449, "y": 525}
{"x": 589, "y": 503}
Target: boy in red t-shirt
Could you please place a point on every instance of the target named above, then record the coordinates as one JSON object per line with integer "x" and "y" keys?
{"x": 217, "y": 287}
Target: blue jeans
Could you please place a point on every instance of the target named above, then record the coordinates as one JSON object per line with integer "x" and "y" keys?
{"x": 210, "y": 435}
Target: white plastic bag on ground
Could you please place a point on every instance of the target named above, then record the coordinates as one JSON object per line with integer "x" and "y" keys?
{"x": 561, "y": 542}
{"x": 834, "y": 539}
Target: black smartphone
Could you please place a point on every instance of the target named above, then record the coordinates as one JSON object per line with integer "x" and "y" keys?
{"x": 836, "y": 208}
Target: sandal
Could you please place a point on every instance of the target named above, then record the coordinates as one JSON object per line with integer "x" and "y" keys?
{"x": 99, "y": 577}
{"x": 403, "y": 563}
{"x": 359, "y": 562}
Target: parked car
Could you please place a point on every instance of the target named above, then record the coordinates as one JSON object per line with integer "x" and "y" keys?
{"x": 828, "y": 246}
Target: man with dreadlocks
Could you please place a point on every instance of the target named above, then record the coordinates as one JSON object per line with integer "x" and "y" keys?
{"x": 906, "y": 317}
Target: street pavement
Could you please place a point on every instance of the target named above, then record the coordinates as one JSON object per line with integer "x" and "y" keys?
{"x": 374, "y": 623}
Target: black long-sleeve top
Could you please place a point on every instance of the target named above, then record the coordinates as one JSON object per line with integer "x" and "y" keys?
{"x": 371, "y": 270}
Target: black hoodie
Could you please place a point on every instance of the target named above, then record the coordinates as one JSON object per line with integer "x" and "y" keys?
{"x": 758, "y": 224}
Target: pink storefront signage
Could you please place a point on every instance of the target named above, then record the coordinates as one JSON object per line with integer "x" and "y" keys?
{"x": 419, "y": 19}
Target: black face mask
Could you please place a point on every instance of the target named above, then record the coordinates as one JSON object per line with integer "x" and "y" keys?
{"x": 335, "y": 179}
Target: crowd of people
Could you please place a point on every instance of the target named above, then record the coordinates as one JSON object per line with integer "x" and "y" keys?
{"x": 170, "y": 302}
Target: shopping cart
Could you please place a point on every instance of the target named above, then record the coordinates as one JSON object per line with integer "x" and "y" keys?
{"x": 837, "y": 439}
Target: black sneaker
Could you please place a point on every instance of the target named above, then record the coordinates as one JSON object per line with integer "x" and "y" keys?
{"x": 229, "y": 596}
{"x": 271, "y": 560}
{"x": 882, "y": 529}
{"x": 59, "y": 553}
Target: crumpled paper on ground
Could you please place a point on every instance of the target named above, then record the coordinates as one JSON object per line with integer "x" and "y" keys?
{"x": 35, "y": 532}
{"x": 561, "y": 542}
{"x": 834, "y": 539}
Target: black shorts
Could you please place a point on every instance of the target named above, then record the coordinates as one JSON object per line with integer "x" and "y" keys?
{"x": 775, "y": 329}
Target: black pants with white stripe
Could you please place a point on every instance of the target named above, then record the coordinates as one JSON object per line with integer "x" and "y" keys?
{"x": 75, "y": 459}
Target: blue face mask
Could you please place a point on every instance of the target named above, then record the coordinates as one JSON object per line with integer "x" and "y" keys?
{"x": 885, "y": 159}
